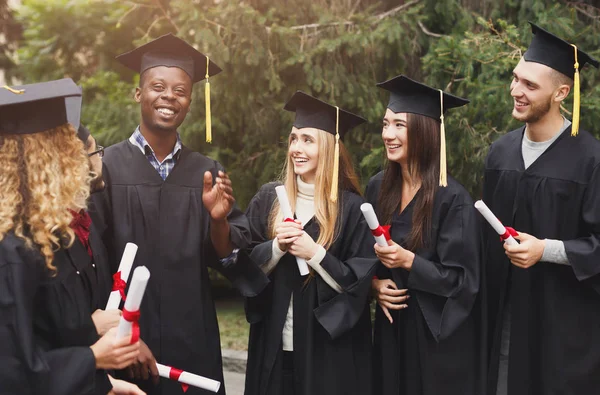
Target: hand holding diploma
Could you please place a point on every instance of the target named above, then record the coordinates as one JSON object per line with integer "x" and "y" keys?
{"x": 286, "y": 210}
{"x": 506, "y": 234}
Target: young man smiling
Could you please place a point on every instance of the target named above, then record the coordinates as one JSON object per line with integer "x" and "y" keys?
{"x": 543, "y": 179}
{"x": 178, "y": 207}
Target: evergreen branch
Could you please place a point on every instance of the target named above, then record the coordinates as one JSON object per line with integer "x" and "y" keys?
{"x": 427, "y": 32}
{"x": 376, "y": 18}
{"x": 166, "y": 15}
{"x": 395, "y": 10}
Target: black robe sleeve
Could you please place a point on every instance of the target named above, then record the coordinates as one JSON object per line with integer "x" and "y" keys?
{"x": 584, "y": 252}
{"x": 25, "y": 367}
{"x": 245, "y": 276}
{"x": 455, "y": 277}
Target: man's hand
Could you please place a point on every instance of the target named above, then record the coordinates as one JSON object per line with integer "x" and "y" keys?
{"x": 527, "y": 253}
{"x": 218, "y": 199}
{"x": 145, "y": 365}
{"x": 394, "y": 256}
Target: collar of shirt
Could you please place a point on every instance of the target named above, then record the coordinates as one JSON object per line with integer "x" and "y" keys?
{"x": 139, "y": 141}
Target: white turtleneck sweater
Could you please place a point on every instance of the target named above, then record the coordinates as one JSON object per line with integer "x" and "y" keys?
{"x": 305, "y": 210}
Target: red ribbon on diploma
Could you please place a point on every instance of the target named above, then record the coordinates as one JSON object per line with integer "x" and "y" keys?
{"x": 119, "y": 285}
{"x": 174, "y": 375}
{"x": 509, "y": 232}
{"x": 382, "y": 231}
{"x": 288, "y": 220}
{"x": 134, "y": 318}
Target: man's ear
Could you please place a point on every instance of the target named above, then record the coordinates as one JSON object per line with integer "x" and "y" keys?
{"x": 561, "y": 93}
{"x": 138, "y": 94}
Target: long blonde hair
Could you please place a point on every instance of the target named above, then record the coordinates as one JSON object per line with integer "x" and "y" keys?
{"x": 43, "y": 175}
{"x": 326, "y": 211}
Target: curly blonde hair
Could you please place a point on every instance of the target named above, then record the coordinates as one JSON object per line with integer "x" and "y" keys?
{"x": 43, "y": 175}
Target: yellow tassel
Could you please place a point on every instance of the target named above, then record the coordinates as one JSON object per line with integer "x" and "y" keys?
{"x": 576, "y": 97}
{"x": 207, "y": 99}
{"x": 15, "y": 91}
{"x": 443, "y": 170}
{"x": 336, "y": 159}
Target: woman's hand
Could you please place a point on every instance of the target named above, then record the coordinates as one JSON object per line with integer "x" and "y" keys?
{"x": 121, "y": 387}
{"x": 111, "y": 353}
{"x": 105, "y": 320}
{"x": 389, "y": 296}
{"x": 394, "y": 256}
{"x": 288, "y": 232}
{"x": 303, "y": 247}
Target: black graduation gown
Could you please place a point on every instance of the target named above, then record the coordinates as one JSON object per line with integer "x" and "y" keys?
{"x": 27, "y": 364}
{"x": 555, "y": 309}
{"x": 64, "y": 303}
{"x": 168, "y": 222}
{"x": 332, "y": 332}
{"x": 436, "y": 345}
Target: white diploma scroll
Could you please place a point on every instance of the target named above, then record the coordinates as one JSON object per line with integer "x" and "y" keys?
{"x": 373, "y": 222}
{"x": 284, "y": 204}
{"x": 495, "y": 222}
{"x": 139, "y": 280}
{"x": 124, "y": 269}
{"x": 188, "y": 378}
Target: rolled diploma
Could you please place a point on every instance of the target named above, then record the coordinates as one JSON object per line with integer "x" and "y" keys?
{"x": 139, "y": 280}
{"x": 125, "y": 268}
{"x": 286, "y": 209}
{"x": 190, "y": 379}
{"x": 373, "y": 222}
{"x": 494, "y": 221}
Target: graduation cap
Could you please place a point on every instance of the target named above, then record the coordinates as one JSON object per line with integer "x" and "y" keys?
{"x": 35, "y": 108}
{"x": 566, "y": 58}
{"x": 314, "y": 113}
{"x": 171, "y": 51}
{"x": 73, "y": 104}
{"x": 407, "y": 95}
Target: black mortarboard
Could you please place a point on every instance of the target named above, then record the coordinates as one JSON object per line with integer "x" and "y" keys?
{"x": 407, "y": 95}
{"x": 73, "y": 104}
{"x": 314, "y": 113}
{"x": 566, "y": 58}
{"x": 35, "y": 108}
{"x": 171, "y": 51}
{"x": 410, "y": 96}
{"x": 554, "y": 52}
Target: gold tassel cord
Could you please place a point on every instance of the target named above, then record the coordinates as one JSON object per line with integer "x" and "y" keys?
{"x": 576, "y": 97}
{"x": 15, "y": 91}
{"x": 336, "y": 158}
{"x": 443, "y": 170}
{"x": 207, "y": 99}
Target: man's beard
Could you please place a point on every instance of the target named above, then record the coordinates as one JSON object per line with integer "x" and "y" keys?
{"x": 97, "y": 184}
{"x": 536, "y": 113}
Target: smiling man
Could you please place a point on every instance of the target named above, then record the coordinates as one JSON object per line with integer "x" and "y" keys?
{"x": 178, "y": 207}
{"x": 543, "y": 179}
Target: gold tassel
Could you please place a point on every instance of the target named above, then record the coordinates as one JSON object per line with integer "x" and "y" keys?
{"x": 576, "y": 97}
{"x": 336, "y": 158}
{"x": 443, "y": 170}
{"x": 207, "y": 99}
{"x": 15, "y": 91}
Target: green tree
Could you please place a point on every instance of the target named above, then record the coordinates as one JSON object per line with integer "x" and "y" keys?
{"x": 334, "y": 49}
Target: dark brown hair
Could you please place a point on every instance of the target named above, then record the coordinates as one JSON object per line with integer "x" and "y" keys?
{"x": 423, "y": 134}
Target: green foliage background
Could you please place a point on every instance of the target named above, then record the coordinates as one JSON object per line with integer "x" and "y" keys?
{"x": 334, "y": 49}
